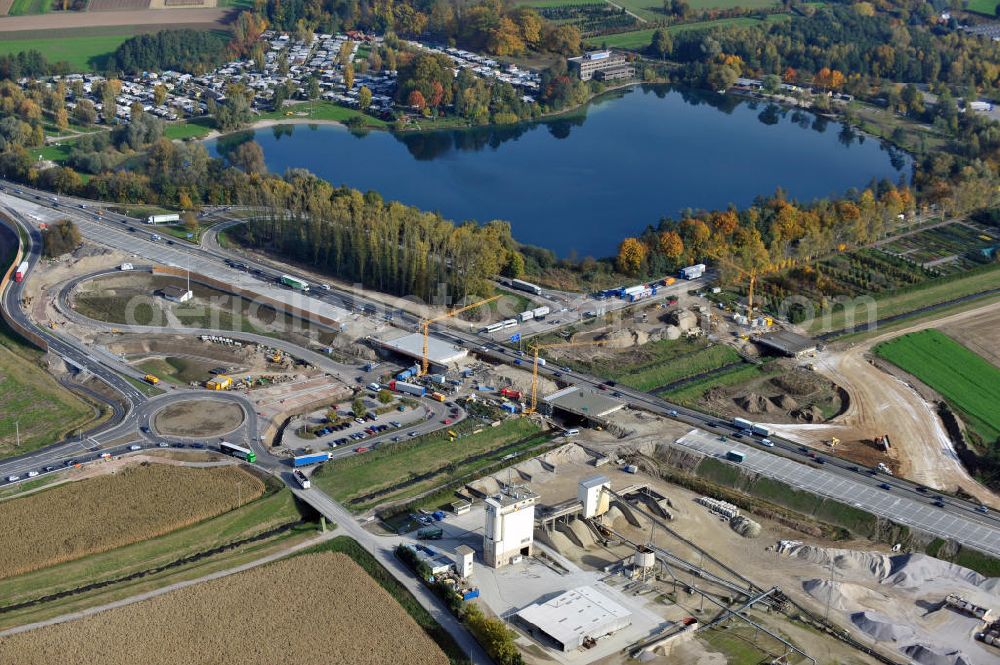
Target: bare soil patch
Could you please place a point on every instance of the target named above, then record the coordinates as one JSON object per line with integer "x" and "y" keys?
{"x": 264, "y": 615}
{"x": 116, "y": 5}
{"x": 199, "y": 417}
{"x": 980, "y": 334}
{"x": 200, "y": 17}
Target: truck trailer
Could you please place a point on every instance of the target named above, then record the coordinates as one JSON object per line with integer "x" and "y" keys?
{"x": 163, "y": 219}
{"x": 22, "y": 271}
{"x": 521, "y": 285}
{"x": 541, "y": 312}
{"x": 693, "y": 272}
{"x": 760, "y": 430}
{"x": 735, "y": 456}
{"x": 408, "y": 388}
{"x": 526, "y": 315}
{"x": 743, "y": 424}
{"x": 301, "y": 479}
{"x": 312, "y": 458}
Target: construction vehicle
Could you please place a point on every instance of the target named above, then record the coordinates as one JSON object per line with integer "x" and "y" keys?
{"x": 834, "y": 442}
{"x": 425, "y": 363}
{"x": 276, "y": 357}
{"x": 534, "y": 372}
{"x": 151, "y": 380}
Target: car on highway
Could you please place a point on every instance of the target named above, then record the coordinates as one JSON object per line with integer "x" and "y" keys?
{"x": 446, "y": 421}
{"x": 603, "y": 386}
{"x": 70, "y": 462}
{"x": 135, "y": 447}
{"x": 672, "y": 413}
{"x": 885, "y": 486}
{"x": 820, "y": 460}
{"x": 49, "y": 469}
{"x": 32, "y": 474}
{"x": 362, "y": 449}
{"x": 411, "y": 434}
{"x": 163, "y": 444}
{"x": 938, "y": 503}
{"x": 982, "y": 509}
{"x": 199, "y": 446}
{"x": 557, "y": 374}
{"x": 767, "y": 442}
{"x": 131, "y": 229}
{"x": 11, "y": 479}
{"x": 921, "y": 488}
{"x": 737, "y": 435}
{"x": 565, "y": 369}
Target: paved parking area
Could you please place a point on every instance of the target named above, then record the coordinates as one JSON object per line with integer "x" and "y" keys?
{"x": 920, "y": 515}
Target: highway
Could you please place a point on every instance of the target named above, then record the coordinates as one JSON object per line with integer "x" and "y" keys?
{"x": 113, "y": 231}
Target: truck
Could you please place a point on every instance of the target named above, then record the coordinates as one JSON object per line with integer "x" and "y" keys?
{"x": 642, "y": 293}
{"x": 311, "y": 458}
{"x": 151, "y": 380}
{"x": 735, "y": 456}
{"x": 301, "y": 479}
{"x": 510, "y": 393}
{"x": 693, "y": 272}
{"x": 521, "y": 285}
{"x": 431, "y": 533}
{"x": 628, "y": 291}
{"x": 294, "y": 282}
{"x": 526, "y": 315}
{"x": 408, "y": 388}
{"x": 541, "y": 312}
{"x": 163, "y": 219}
{"x": 667, "y": 281}
{"x": 125, "y": 267}
{"x": 760, "y": 430}
{"x": 438, "y": 397}
{"x": 743, "y": 423}
{"x": 22, "y": 270}
{"x": 405, "y": 374}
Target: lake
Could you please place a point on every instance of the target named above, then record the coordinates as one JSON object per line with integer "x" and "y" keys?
{"x": 577, "y": 186}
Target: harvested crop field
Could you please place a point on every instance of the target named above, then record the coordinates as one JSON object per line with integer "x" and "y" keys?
{"x": 264, "y": 615}
{"x": 103, "y": 513}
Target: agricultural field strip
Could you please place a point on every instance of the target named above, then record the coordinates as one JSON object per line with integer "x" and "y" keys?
{"x": 146, "y": 595}
{"x": 902, "y": 510}
{"x": 963, "y": 377}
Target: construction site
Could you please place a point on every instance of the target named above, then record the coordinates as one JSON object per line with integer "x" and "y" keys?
{"x": 591, "y": 559}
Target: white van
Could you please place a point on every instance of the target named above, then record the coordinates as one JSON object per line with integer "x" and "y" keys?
{"x": 572, "y": 432}
{"x": 126, "y": 266}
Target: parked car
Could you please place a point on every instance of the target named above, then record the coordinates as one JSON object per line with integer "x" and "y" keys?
{"x": 885, "y": 486}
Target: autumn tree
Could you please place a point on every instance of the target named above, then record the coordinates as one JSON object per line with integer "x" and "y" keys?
{"x": 364, "y": 98}
{"x": 671, "y": 245}
{"x": 416, "y": 100}
{"x": 631, "y": 254}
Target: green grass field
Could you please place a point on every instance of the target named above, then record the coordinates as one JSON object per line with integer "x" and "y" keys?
{"x": 188, "y": 129}
{"x": 639, "y": 39}
{"x": 43, "y": 409}
{"x": 320, "y": 110}
{"x": 689, "y": 394}
{"x": 84, "y": 53}
{"x": 29, "y": 7}
{"x": 253, "y": 518}
{"x": 652, "y": 10}
{"x": 987, "y": 7}
{"x": 433, "y": 454}
{"x": 966, "y": 380}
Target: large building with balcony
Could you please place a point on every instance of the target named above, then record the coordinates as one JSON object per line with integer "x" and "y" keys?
{"x": 601, "y": 65}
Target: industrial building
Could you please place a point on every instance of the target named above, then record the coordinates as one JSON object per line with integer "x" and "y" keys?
{"x": 575, "y": 617}
{"x": 787, "y": 343}
{"x": 439, "y": 352}
{"x": 588, "y": 404}
{"x": 610, "y": 65}
{"x": 510, "y": 526}
{"x": 592, "y": 495}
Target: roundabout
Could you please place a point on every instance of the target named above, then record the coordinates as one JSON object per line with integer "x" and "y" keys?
{"x": 198, "y": 417}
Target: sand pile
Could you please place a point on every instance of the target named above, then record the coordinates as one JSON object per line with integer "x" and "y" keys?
{"x": 580, "y": 533}
{"x": 910, "y": 571}
{"x": 881, "y": 627}
{"x": 844, "y": 596}
{"x": 754, "y": 403}
{"x": 876, "y": 565}
{"x": 745, "y": 527}
{"x": 567, "y": 453}
{"x": 556, "y": 540}
{"x": 486, "y": 486}
{"x": 927, "y": 656}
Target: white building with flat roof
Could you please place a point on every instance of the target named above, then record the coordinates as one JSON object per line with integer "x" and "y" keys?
{"x": 510, "y": 527}
{"x": 575, "y": 616}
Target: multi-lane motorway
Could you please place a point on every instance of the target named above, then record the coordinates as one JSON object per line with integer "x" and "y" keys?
{"x": 906, "y": 497}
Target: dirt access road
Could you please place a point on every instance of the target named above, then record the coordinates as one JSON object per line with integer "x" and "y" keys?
{"x": 77, "y": 20}
{"x": 881, "y": 403}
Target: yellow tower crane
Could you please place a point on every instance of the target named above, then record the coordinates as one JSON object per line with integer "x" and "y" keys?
{"x": 534, "y": 370}
{"x": 427, "y": 326}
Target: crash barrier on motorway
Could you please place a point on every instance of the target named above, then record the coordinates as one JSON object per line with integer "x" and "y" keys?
{"x": 21, "y": 330}
{"x": 276, "y": 305}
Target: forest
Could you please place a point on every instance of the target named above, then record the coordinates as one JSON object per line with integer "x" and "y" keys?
{"x": 194, "y": 51}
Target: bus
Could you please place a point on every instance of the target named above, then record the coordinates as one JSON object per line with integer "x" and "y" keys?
{"x": 238, "y": 451}
{"x": 294, "y": 282}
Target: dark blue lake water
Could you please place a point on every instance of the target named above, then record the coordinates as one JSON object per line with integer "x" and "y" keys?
{"x": 577, "y": 186}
